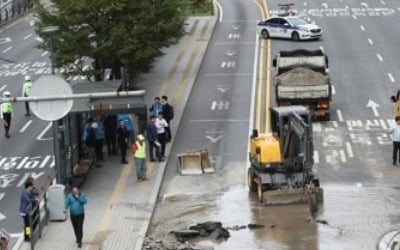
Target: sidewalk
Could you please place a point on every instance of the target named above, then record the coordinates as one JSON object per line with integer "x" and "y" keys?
{"x": 119, "y": 209}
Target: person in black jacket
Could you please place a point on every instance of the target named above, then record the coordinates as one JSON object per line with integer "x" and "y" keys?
{"x": 152, "y": 138}
{"x": 111, "y": 125}
{"x": 168, "y": 112}
{"x": 91, "y": 143}
{"x": 122, "y": 139}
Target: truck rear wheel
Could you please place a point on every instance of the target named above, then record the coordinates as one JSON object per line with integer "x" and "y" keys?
{"x": 250, "y": 182}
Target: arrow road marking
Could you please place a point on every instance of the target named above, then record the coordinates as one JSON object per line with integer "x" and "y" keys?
{"x": 230, "y": 52}
{"x": 214, "y": 139}
{"x": 40, "y": 136}
{"x": 374, "y": 106}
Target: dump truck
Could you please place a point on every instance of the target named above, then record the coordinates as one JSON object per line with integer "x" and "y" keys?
{"x": 302, "y": 78}
{"x": 281, "y": 161}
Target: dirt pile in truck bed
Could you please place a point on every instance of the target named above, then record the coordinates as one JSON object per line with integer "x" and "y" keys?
{"x": 302, "y": 76}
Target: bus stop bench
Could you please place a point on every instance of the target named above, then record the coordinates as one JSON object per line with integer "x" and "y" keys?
{"x": 80, "y": 171}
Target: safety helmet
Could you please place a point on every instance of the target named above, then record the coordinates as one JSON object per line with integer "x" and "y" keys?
{"x": 27, "y": 78}
{"x": 6, "y": 93}
{"x": 94, "y": 125}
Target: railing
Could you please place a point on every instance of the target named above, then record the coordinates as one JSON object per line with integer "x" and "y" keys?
{"x": 11, "y": 9}
{"x": 38, "y": 212}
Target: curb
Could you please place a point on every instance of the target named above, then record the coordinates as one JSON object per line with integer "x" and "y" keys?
{"x": 160, "y": 175}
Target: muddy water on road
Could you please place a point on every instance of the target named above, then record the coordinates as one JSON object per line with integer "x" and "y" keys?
{"x": 353, "y": 217}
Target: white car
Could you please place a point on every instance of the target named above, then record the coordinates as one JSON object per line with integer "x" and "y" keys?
{"x": 292, "y": 27}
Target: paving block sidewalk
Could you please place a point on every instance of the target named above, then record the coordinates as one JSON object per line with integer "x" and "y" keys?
{"x": 119, "y": 208}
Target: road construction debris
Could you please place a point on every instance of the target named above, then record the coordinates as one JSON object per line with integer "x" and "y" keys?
{"x": 210, "y": 229}
{"x": 255, "y": 226}
{"x": 236, "y": 228}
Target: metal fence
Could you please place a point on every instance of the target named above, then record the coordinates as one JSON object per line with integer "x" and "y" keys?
{"x": 11, "y": 9}
{"x": 38, "y": 212}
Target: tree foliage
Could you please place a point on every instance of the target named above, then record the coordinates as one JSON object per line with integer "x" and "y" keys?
{"x": 111, "y": 33}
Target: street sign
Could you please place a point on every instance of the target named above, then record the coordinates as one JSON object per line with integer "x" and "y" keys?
{"x": 47, "y": 86}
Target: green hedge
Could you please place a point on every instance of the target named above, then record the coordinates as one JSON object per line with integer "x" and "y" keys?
{"x": 199, "y": 7}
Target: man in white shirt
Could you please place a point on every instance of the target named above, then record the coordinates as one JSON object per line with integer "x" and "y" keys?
{"x": 395, "y": 131}
{"x": 161, "y": 124}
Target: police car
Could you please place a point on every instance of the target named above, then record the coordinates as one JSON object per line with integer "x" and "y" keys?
{"x": 292, "y": 27}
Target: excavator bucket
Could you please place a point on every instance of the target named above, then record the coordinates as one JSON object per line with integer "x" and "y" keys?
{"x": 310, "y": 195}
{"x": 194, "y": 162}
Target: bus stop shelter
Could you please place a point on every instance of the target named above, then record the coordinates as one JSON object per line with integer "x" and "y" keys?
{"x": 71, "y": 126}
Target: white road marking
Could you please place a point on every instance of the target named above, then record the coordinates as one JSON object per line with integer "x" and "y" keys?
{"x": 342, "y": 155}
{"x": 44, "y": 132}
{"x": 317, "y": 127}
{"x": 5, "y": 40}
{"x": 3, "y": 87}
{"x": 383, "y": 2}
{"x": 362, "y": 28}
{"x": 28, "y": 36}
{"x": 364, "y": 4}
{"x": 6, "y": 50}
{"x": 2, "y": 216}
{"x": 379, "y": 57}
{"x": 374, "y": 106}
{"x": 391, "y": 77}
{"x": 340, "y": 115}
{"x": 359, "y": 184}
{"x": 214, "y": 139}
{"x": 305, "y": 4}
{"x": 25, "y": 126}
{"x": 370, "y": 41}
{"x": 333, "y": 90}
{"x": 39, "y": 39}
{"x": 321, "y": 48}
{"x": 221, "y": 12}
{"x": 316, "y": 157}
{"x": 325, "y": 5}
{"x": 44, "y": 54}
{"x": 383, "y": 124}
{"x": 347, "y": 7}
{"x": 354, "y": 17}
{"x": 349, "y": 150}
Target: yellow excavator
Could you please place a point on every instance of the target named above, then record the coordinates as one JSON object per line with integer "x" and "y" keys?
{"x": 281, "y": 170}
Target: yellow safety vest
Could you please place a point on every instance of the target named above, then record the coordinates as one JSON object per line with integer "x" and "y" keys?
{"x": 27, "y": 88}
{"x": 6, "y": 108}
{"x": 141, "y": 150}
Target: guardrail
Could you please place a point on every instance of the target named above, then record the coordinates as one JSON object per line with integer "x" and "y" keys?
{"x": 38, "y": 212}
{"x": 11, "y": 9}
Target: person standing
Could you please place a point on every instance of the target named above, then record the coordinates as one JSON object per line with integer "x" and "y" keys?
{"x": 161, "y": 124}
{"x": 139, "y": 153}
{"x": 156, "y": 107}
{"x": 75, "y": 202}
{"x": 395, "y": 131}
{"x": 91, "y": 143}
{"x": 168, "y": 112}
{"x": 122, "y": 139}
{"x": 26, "y": 91}
{"x": 27, "y": 201}
{"x": 128, "y": 122}
{"x": 111, "y": 125}
{"x": 99, "y": 138}
{"x": 6, "y": 114}
{"x": 152, "y": 138}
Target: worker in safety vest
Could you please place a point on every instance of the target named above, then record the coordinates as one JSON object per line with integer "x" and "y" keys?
{"x": 139, "y": 152}
{"x": 6, "y": 113}
{"x": 26, "y": 91}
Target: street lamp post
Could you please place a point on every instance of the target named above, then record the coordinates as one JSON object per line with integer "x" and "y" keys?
{"x": 51, "y": 31}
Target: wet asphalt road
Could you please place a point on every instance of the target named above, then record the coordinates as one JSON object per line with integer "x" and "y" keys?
{"x": 29, "y": 150}
{"x": 352, "y": 151}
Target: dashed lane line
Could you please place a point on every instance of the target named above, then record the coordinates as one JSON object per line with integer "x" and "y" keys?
{"x": 340, "y": 115}
{"x": 349, "y": 150}
{"x": 391, "y": 77}
{"x": 342, "y": 155}
{"x": 370, "y": 41}
{"x": 379, "y": 57}
{"x": 354, "y": 17}
{"x": 3, "y": 88}
{"x": 27, "y": 124}
{"x": 362, "y": 28}
{"x": 28, "y": 36}
{"x": 333, "y": 90}
{"x": 6, "y": 50}
{"x": 44, "y": 54}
